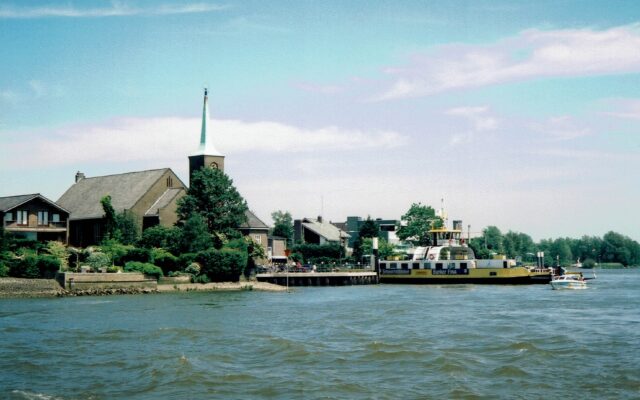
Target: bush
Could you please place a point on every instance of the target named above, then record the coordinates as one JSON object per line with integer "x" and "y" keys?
{"x": 25, "y": 266}
{"x": 185, "y": 260}
{"x": 165, "y": 260}
{"x": 115, "y": 250}
{"x": 160, "y": 236}
{"x": 145, "y": 268}
{"x": 222, "y": 265}
{"x": 98, "y": 260}
{"x": 48, "y": 266}
{"x": 139, "y": 254}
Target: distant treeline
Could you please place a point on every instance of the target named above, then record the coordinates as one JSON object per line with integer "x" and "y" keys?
{"x": 590, "y": 250}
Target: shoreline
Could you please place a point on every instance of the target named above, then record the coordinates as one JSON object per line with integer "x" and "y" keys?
{"x": 50, "y": 288}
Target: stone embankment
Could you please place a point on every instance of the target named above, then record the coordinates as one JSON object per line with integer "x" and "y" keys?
{"x": 19, "y": 287}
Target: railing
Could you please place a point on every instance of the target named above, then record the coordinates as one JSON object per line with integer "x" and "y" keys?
{"x": 15, "y": 224}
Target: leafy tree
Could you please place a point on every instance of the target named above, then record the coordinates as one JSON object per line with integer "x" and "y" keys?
{"x": 59, "y": 251}
{"x": 416, "y": 223}
{"x": 195, "y": 235}
{"x": 110, "y": 223}
{"x": 314, "y": 252}
{"x": 369, "y": 229}
{"x": 213, "y": 197}
{"x": 283, "y": 225}
{"x": 385, "y": 249}
{"x": 127, "y": 228}
{"x": 493, "y": 239}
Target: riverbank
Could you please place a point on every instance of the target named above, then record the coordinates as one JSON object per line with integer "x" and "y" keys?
{"x": 35, "y": 288}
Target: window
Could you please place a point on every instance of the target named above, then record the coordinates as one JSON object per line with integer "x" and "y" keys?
{"x": 404, "y": 265}
{"x": 43, "y": 217}
{"x": 463, "y": 265}
{"x": 55, "y": 217}
{"x": 22, "y": 217}
{"x": 393, "y": 265}
{"x": 8, "y": 216}
{"x": 416, "y": 265}
{"x": 257, "y": 238}
{"x": 438, "y": 265}
{"x": 169, "y": 182}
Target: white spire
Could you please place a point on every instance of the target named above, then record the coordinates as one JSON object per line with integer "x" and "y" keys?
{"x": 206, "y": 146}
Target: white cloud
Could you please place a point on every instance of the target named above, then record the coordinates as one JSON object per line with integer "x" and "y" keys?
{"x": 628, "y": 108}
{"x": 479, "y": 116}
{"x": 316, "y": 88}
{"x": 561, "y": 128}
{"x": 117, "y": 9}
{"x": 530, "y": 55}
{"x": 148, "y": 139}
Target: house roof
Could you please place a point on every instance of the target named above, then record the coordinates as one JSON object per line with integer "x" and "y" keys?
{"x": 163, "y": 201}
{"x": 10, "y": 202}
{"x": 83, "y": 198}
{"x": 253, "y": 222}
{"x": 325, "y": 229}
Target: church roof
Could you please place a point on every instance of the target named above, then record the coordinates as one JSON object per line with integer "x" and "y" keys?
{"x": 83, "y": 198}
{"x": 206, "y": 140}
{"x": 164, "y": 200}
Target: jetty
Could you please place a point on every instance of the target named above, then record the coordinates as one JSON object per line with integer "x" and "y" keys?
{"x": 333, "y": 278}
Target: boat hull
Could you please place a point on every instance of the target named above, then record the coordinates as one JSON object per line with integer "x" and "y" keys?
{"x": 489, "y": 276}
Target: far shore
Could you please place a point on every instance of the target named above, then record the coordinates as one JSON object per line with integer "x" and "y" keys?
{"x": 38, "y": 288}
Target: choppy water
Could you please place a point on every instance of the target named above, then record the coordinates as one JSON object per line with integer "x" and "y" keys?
{"x": 360, "y": 342}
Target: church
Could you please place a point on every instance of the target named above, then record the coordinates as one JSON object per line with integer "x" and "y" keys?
{"x": 150, "y": 196}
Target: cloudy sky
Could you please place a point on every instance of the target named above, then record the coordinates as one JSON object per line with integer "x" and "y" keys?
{"x": 523, "y": 115}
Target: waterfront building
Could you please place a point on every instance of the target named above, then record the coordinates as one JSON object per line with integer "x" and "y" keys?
{"x": 34, "y": 217}
{"x": 317, "y": 231}
{"x": 387, "y": 229}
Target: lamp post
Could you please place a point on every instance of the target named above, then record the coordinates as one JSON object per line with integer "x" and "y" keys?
{"x": 287, "y": 252}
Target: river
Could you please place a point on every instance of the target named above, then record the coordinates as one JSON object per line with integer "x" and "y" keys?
{"x": 358, "y": 342}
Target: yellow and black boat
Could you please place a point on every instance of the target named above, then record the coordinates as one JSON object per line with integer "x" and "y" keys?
{"x": 451, "y": 260}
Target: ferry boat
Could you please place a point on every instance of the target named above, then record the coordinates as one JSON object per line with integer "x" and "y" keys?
{"x": 451, "y": 260}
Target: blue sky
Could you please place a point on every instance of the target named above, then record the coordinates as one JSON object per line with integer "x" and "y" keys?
{"x": 524, "y": 115}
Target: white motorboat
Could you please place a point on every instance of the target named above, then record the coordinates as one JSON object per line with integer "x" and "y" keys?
{"x": 569, "y": 281}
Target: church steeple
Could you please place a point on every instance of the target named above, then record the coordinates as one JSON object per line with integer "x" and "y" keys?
{"x": 206, "y": 155}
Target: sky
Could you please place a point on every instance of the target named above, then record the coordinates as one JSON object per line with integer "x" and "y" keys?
{"x": 523, "y": 115}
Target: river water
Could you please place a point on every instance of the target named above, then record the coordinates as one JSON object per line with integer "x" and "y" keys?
{"x": 359, "y": 342}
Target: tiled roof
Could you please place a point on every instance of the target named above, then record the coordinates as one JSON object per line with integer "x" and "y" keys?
{"x": 11, "y": 202}
{"x": 83, "y": 198}
{"x": 325, "y": 229}
{"x": 253, "y": 222}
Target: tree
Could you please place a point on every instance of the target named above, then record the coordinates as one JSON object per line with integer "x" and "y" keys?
{"x": 416, "y": 223}
{"x": 385, "y": 249}
{"x": 195, "y": 236}
{"x": 283, "y": 225}
{"x": 369, "y": 229}
{"x": 213, "y": 197}
{"x": 110, "y": 224}
{"x": 493, "y": 239}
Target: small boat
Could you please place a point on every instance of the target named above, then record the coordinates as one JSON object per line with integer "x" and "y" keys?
{"x": 570, "y": 280}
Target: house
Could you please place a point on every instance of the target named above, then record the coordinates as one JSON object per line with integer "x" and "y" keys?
{"x": 317, "y": 231}
{"x": 276, "y": 249}
{"x": 387, "y": 229}
{"x": 33, "y": 216}
{"x": 256, "y": 230}
{"x": 149, "y": 196}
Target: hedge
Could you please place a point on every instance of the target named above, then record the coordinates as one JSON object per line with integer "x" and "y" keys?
{"x": 222, "y": 265}
{"x": 145, "y": 268}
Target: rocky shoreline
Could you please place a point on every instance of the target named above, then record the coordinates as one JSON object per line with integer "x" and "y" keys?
{"x": 38, "y": 288}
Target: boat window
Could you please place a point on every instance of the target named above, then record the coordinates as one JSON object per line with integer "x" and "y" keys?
{"x": 404, "y": 265}
{"x": 505, "y": 264}
{"x": 393, "y": 265}
{"x": 438, "y": 265}
{"x": 492, "y": 273}
{"x": 416, "y": 265}
{"x": 463, "y": 265}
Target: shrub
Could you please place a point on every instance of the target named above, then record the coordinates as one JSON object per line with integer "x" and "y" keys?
{"x": 145, "y": 268}
{"x": 98, "y": 260}
{"x": 59, "y": 251}
{"x": 115, "y": 250}
{"x": 222, "y": 265}
{"x": 48, "y": 266}
{"x": 160, "y": 236}
{"x": 25, "y": 266}
{"x": 185, "y": 260}
{"x": 165, "y": 260}
{"x": 139, "y": 254}
{"x": 5, "y": 263}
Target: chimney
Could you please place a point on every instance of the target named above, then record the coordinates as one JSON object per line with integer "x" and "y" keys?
{"x": 79, "y": 176}
{"x": 320, "y": 218}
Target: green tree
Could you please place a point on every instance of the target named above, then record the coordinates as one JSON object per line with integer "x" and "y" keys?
{"x": 127, "y": 228}
{"x": 110, "y": 223}
{"x": 283, "y": 225}
{"x": 369, "y": 229}
{"x": 213, "y": 197}
{"x": 167, "y": 237}
{"x": 195, "y": 235}
{"x": 385, "y": 249}
{"x": 493, "y": 239}
{"x": 416, "y": 223}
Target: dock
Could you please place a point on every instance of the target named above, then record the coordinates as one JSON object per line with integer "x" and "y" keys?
{"x": 338, "y": 278}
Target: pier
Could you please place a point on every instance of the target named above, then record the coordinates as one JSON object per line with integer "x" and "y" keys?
{"x": 338, "y": 278}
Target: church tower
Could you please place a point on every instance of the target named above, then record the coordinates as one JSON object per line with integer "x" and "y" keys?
{"x": 206, "y": 155}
